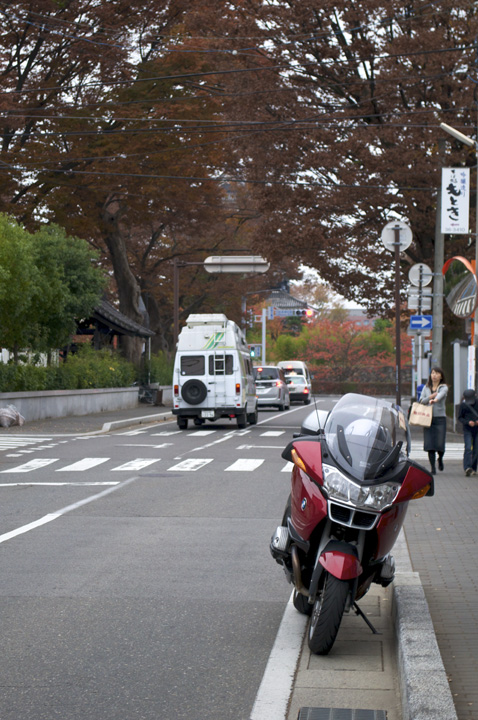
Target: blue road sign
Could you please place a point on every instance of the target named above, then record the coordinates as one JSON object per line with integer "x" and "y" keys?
{"x": 421, "y": 322}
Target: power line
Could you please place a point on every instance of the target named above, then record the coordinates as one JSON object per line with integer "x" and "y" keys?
{"x": 298, "y": 183}
{"x": 235, "y": 71}
{"x": 309, "y": 36}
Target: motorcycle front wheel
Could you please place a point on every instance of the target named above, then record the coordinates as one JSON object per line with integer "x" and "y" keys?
{"x": 327, "y": 615}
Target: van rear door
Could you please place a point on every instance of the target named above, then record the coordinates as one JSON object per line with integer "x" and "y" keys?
{"x": 221, "y": 378}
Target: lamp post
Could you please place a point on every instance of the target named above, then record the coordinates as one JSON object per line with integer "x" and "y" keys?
{"x": 474, "y": 144}
{"x": 215, "y": 264}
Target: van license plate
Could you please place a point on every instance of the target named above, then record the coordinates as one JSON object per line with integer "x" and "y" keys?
{"x": 207, "y": 413}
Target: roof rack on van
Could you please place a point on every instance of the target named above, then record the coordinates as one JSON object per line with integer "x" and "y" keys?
{"x": 207, "y": 319}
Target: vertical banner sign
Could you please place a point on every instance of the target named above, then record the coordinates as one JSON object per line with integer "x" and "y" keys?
{"x": 471, "y": 369}
{"x": 455, "y": 200}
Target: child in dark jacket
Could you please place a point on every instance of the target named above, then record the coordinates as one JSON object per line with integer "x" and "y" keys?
{"x": 468, "y": 416}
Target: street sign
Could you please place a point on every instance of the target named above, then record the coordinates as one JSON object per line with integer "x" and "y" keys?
{"x": 417, "y": 291}
{"x": 419, "y": 303}
{"x": 420, "y": 274}
{"x": 405, "y": 235}
{"x": 421, "y": 322}
{"x": 412, "y": 332}
{"x": 282, "y": 312}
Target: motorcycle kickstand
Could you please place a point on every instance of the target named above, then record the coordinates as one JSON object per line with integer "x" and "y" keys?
{"x": 360, "y": 612}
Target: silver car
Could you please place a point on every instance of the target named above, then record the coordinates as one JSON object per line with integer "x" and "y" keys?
{"x": 271, "y": 387}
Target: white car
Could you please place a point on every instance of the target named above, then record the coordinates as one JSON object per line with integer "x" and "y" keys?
{"x": 299, "y": 388}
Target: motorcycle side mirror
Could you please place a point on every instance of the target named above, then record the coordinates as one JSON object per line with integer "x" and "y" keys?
{"x": 418, "y": 482}
{"x": 287, "y": 451}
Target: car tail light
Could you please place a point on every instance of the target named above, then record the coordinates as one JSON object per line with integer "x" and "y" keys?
{"x": 176, "y": 389}
{"x": 278, "y": 383}
{"x": 238, "y": 388}
{"x": 306, "y": 390}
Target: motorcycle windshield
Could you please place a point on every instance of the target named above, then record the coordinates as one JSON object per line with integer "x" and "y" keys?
{"x": 366, "y": 436}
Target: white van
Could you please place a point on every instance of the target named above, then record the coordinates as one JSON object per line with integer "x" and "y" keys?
{"x": 213, "y": 375}
{"x": 299, "y": 380}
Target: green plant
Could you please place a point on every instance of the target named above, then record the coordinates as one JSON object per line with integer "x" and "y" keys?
{"x": 159, "y": 369}
{"x": 87, "y": 368}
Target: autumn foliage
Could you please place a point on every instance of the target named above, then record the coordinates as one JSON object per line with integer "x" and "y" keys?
{"x": 343, "y": 354}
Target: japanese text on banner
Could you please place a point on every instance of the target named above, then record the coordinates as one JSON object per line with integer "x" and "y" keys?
{"x": 455, "y": 200}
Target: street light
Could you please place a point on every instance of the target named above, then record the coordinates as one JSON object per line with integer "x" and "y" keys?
{"x": 215, "y": 264}
{"x": 470, "y": 143}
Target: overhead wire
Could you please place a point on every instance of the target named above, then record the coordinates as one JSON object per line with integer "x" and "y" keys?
{"x": 299, "y": 124}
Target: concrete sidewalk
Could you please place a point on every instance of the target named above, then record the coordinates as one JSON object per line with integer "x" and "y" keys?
{"x": 94, "y": 423}
{"x": 428, "y": 617}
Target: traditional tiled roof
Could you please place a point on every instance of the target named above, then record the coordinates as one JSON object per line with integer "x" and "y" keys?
{"x": 107, "y": 314}
{"x": 282, "y": 299}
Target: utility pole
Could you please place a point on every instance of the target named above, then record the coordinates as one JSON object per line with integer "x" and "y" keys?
{"x": 439, "y": 259}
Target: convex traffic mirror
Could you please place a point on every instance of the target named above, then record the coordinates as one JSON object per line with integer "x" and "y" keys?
{"x": 460, "y": 286}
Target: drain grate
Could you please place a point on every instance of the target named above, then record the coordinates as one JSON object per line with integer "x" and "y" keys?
{"x": 340, "y": 714}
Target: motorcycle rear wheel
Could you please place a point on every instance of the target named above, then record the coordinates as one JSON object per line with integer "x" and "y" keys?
{"x": 327, "y": 615}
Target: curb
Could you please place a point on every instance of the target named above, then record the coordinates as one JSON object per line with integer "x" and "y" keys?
{"x": 133, "y": 421}
{"x": 425, "y": 692}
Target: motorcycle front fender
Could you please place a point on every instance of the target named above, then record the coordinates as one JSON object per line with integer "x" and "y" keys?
{"x": 342, "y": 562}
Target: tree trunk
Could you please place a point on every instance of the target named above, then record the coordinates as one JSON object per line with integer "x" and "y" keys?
{"x": 129, "y": 291}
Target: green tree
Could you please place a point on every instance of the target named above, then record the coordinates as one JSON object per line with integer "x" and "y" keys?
{"x": 19, "y": 287}
{"x": 71, "y": 280}
{"x": 48, "y": 280}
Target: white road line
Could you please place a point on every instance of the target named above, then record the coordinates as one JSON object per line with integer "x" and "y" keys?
{"x": 191, "y": 464}
{"x": 15, "y": 441}
{"x": 245, "y": 465}
{"x": 137, "y": 464}
{"x": 276, "y": 686}
{"x": 155, "y": 447}
{"x": 59, "y": 513}
{"x": 84, "y": 464}
{"x": 272, "y": 433}
{"x": 132, "y": 432}
{"x": 59, "y": 484}
{"x": 202, "y": 433}
{"x": 168, "y": 432}
{"x": 34, "y": 464}
{"x": 260, "y": 447}
{"x": 288, "y": 467}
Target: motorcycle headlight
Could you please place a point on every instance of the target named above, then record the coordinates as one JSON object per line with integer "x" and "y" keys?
{"x": 373, "y": 497}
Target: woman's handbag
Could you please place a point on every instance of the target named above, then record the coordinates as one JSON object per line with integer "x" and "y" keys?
{"x": 421, "y": 415}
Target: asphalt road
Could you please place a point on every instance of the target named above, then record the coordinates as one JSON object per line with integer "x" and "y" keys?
{"x": 136, "y": 576}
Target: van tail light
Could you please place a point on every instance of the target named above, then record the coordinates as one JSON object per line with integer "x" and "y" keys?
{"x": 278, "y": 383}
{"x": 176, "y": 390}
{"x": 238, "y": 388}
{"x": 306, "y": 391}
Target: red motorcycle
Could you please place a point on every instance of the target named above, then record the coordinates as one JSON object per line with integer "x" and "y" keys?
{"x": 351, "y": 485}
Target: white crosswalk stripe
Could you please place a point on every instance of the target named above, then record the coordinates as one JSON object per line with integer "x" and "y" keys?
{"x": 13, "y": 442}
{"x": 83, "y": 464}
{"x": 34, "y": 464}
{"x": 138, "y": 464}
{"x": 245, "y": 465}
{"x": 454, "y": 451}
{"x": 191, "y": 464}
